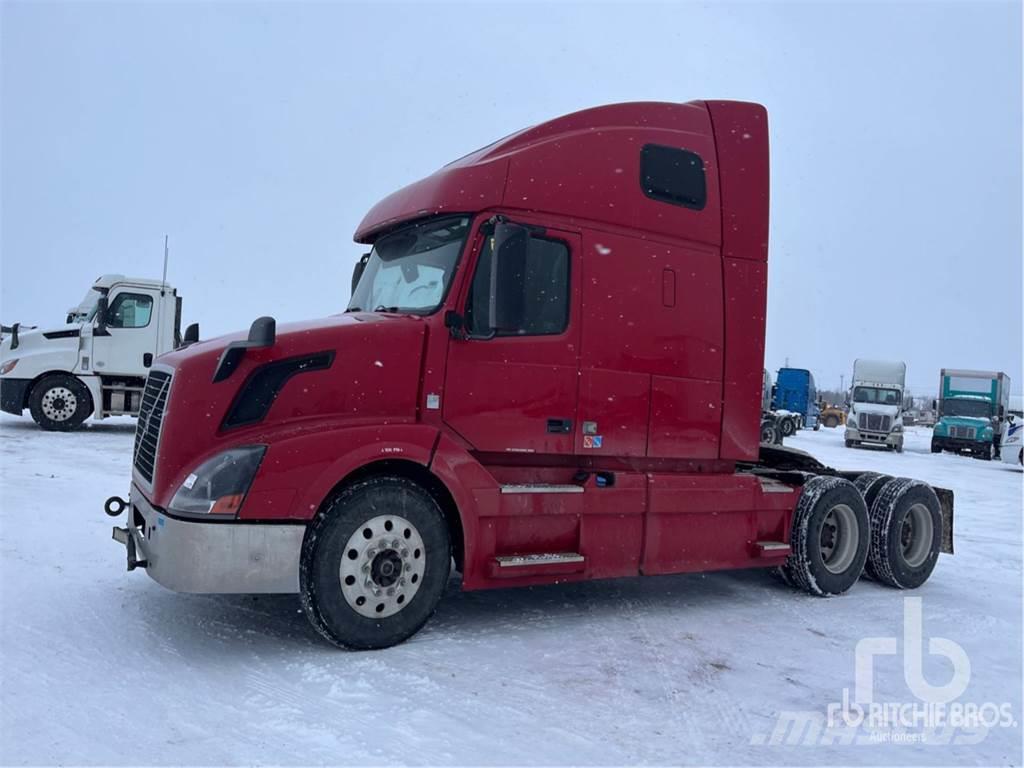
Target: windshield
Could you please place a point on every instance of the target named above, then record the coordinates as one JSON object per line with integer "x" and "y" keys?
{"x": 86, "y": 309}
{"x": 409, "y": 270}
{"x": 876, "y": 395}
{"x": 979, "y": 409}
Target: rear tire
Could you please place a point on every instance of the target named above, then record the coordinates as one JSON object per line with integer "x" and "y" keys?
{"x": 906, "y": 531}
{"x": 769, "y": 434}
{"x": 830, "y": 537}
{"x": 831, "y": 422}
{"x": 787, "y": 427}
{"x": 60, "y": 402}
{"x": 375, "y": 563}
{"x": 869, "y": 484}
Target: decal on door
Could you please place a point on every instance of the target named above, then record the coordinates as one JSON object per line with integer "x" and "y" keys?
{"x": 592, "y": 441}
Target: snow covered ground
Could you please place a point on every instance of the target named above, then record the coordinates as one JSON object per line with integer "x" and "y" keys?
{"x": 101, "y": 666}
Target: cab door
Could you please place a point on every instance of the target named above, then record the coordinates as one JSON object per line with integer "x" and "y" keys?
{"x": 127, "y": 345}
{"x": 512, "y": 373}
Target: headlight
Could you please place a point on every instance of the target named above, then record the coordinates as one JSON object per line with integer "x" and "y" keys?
{"x": 897, "y": 427}
{"x": 218, "y": 486}
{"x": 8, "y": 367}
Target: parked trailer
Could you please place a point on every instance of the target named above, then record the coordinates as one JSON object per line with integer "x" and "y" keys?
{"x": 972, "y": 410}
{"x": 97, "y": 362}
{"x": 549, "y": 371}
{"x": 876, "y": 404}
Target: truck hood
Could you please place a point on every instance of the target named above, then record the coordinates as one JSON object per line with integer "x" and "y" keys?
{"x": 874, "y": 408}
{"x": 58, "y": 345}
{"x": 963, "y": 421}
{"x": 365, "y": 369}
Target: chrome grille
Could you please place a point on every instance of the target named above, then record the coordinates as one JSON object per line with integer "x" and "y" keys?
{"x": 967, "y": 433}
{"x": 151, "y": 415}
{"x": 875, "y": 422}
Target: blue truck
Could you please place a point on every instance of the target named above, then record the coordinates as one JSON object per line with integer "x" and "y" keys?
{"x": 794, "y": 391}
{"x": 972, "y": 410}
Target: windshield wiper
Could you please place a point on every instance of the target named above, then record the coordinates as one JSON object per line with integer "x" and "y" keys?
{"x": 382, "y": 308}
{"x": 354, "y": 309}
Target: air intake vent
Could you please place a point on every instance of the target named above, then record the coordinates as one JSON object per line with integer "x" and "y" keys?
{"x": 151, "y": 415}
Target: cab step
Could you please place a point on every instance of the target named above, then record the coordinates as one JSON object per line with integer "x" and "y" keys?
{"x": 545, "y": 563}
{"x": 773, "y": 549}
{"x": 542, "y": 488}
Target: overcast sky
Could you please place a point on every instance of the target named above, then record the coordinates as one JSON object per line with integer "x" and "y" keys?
{"x": 257, "y": 135}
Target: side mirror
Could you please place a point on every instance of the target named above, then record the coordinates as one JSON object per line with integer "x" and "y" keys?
{"x": 935, "y": 405}
{"x": 192, "y": 334}
{"x": 101, "y": 318}
{"x": 358, "y": 269}
{"x": 508, "y": 268}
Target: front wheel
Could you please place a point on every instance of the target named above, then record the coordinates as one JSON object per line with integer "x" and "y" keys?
{"x": 60, "y": 403}
{"x": 375, "y": 563}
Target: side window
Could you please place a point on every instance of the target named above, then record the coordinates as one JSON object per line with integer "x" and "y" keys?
{"x": 130, "y": 310}
{"x": 533, "y": 295}
{"x": 673, "y": 176}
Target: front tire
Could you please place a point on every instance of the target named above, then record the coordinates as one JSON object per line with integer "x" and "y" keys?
{"x": 906, "y": 530}
{"x": 830, "y": 537}
{"x": 60, "y": 403}
{"x": 375, "y": 563}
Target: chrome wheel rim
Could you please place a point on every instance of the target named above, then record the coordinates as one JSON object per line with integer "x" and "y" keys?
{"x": 59, "y": 404}
{"x": 916, "y": 535}
{"x": 382, "y": 566}
{"x": 838, "y": 538}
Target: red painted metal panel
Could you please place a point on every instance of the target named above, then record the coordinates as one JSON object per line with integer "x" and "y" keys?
{"x": 614, "y": 405}
{"x": 685, "y": 418}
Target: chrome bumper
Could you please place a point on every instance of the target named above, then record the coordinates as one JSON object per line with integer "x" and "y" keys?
{"x": 873, "y": 438}
{"x": 207, "y": 557}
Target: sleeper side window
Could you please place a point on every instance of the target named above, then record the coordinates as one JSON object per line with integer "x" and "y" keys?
{"x": 130, "y": 310}
{"x": 532, "y": 292}
{"x": 673, "y": 176}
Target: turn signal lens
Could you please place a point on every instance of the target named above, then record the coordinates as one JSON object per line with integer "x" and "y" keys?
{"x": 227, "y": 505}
{"x": 8, "y": 367}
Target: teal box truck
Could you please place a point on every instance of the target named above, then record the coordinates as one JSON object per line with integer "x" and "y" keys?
{"x": 972, "y": 410}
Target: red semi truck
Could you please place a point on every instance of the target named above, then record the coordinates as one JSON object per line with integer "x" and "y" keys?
{"x": 550, "y": 370}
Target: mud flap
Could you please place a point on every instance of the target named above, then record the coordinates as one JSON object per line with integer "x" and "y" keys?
{"x": 946, "y": 507}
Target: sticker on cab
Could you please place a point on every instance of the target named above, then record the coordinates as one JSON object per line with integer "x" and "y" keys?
{"x": 592, "y": 441}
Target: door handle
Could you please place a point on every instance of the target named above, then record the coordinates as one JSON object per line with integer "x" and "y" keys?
{"x": 559, "y": 426}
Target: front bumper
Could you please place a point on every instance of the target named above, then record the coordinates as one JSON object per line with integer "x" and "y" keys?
{"x": 211, "y": 557}
{"x": 892, "y": 439}
{"x": 12, "y": 395}
{"x": 960, "y": 444}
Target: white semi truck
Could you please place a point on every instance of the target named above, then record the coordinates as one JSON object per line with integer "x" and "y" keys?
{"x": 876, "y": 404}
{"x": 96, "y": 363}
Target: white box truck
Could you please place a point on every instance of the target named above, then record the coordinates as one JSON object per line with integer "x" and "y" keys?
{"x": 96, "y": 363}
{"x": 876, "y": 404}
